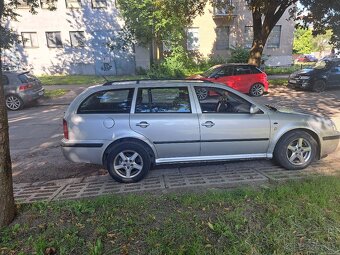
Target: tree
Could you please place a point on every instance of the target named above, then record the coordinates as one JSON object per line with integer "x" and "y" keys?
{"x": 323, "y": 16}
{"x": 302, "y": 41}
{"x": 7, "y": 38}
{"x": 7, "y": 211}
{"x": 153, "y": 22}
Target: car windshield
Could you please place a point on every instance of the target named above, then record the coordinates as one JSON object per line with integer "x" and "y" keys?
{"x": 210, "y": 71}
{"x": 322, "y": 64}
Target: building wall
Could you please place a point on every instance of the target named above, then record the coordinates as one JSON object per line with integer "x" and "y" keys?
{"x": 98, "y": 24}
{"x": 241, "y": 17}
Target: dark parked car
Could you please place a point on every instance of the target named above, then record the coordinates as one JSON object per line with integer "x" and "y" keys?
{"x": 326, "y": 73}
{"x": 21, "y": 88}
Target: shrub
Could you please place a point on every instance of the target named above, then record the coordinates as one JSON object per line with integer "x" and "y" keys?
{"x": 238, "y": 55}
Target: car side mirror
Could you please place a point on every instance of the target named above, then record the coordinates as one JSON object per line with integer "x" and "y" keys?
{"x": 254, "y": 109}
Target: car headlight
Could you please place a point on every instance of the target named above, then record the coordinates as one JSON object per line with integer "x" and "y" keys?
{"x": 304, "y": 77}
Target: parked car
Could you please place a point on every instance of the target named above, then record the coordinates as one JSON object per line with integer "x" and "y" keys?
{"x": 20, "y": 89}
{"x": 326, "y": 73}
{"x": 245, "y": 78}
{"x": 129, "y": 126}
{"x": 306, "y": 58}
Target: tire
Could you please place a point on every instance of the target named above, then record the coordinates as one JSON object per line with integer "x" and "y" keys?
{"x": 122, "y": 162}
{"x": 201, "y": 93}
{"x": 256, "y": 90}
{"x": 296, "y": 150}
{"x": 14, "y": 103}
{"x": 319, "y": 86}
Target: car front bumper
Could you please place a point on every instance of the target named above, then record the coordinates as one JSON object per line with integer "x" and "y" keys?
{"x": 301, "y": 84}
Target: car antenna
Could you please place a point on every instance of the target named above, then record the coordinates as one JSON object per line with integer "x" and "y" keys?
{"x": 105, "y": 78}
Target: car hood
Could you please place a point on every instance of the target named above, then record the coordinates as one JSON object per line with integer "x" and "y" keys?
{"x": 306, "y": 71}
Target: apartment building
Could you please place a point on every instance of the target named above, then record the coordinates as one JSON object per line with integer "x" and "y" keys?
{"x": 215, "y": 32}
{"x": 72, "y": 39}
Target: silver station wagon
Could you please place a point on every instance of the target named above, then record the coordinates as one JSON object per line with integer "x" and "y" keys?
{"x": 129, "y": 126}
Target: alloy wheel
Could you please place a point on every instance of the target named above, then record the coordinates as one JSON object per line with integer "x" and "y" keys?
{"x": 13, "y": 103}
{"x": 201, "y": 93}
{"x": 257, "y": 90}
{"x": 299, "y": 151}
{"x": 128, "y": 164}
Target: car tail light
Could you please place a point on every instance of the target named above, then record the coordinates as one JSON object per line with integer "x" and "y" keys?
{"x": 25, "y": 86}
{"x": 65, "y": 128}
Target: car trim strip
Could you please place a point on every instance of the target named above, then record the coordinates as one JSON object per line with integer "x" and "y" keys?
{"x": 214, "y": 141}
{"x": 86, "y": 145}
{"x": 333, "y": 137}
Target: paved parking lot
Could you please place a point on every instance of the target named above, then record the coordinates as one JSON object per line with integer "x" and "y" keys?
{"x": 41, "y": 173}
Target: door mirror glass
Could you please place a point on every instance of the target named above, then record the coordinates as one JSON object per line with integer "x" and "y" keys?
{"x": 254, "y": 109}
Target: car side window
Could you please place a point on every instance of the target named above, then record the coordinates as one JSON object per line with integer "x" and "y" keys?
{"x": 108, "y": 101}
{"x": 255, "y": 70}
{"x": 240, "y": 70}
{"x": 216, "y": 100}
{"x": 226, "y": 71}
{"x": 163, "y": 100}
{"x": 5, "y": 80}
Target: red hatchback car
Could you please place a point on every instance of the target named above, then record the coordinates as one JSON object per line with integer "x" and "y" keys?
{"x": 245, "y": 78}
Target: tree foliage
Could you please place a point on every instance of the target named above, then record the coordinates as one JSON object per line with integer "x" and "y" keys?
{"x": 322, "y": 16}
{"x": 159, "y": 20}
{"x": 306, "y": 43}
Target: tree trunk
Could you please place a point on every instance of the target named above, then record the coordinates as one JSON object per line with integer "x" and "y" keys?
{"x": 7, "y": 205}
{"x": 259, "y": 41}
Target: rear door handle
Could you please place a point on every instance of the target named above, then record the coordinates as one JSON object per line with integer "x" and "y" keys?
{"x": 143, "y": 124}
{"x": 208, "y": 124}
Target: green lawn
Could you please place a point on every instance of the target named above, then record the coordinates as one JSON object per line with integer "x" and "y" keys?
{"x": 81, "y": 79}
{"x": 301, "y": 217}
{"x": 278, "y": 82}
{"x": 55, "y": 93}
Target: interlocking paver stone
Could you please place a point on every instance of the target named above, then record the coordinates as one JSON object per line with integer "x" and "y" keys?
{"x": 223, "y": 175}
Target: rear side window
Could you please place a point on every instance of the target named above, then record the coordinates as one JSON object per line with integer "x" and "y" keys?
{"x": 108, "y": 101}
{"x": 4, "y": 80}
{"x": 26, "y": 77}
{"x": 163, "y": 100}
{"x": 255, "y": 70}
{"x": 239, "y": 70}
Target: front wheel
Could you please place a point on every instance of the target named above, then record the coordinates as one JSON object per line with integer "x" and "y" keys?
{"x": 296, "y": 150}
{"x": 128, "y": 162}
{"x": 257, "y": 90}
{"x": 319, "y": 86}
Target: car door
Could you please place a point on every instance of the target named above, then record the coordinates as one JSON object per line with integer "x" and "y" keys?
{"x": 224, "y": 75}
{"x": 167, "y": 117}
{"x": 228, "y": 128}
{"x": 334, "y": 75}
{"x": 5, "y": 83}
{"x": 243, "y": 78}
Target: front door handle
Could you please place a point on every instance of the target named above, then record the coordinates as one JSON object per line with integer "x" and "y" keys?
{"x": 143, "y": 124}
{"x": 208, "y": 124}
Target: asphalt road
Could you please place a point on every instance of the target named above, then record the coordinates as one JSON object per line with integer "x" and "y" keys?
{"x": 35, "y": 133}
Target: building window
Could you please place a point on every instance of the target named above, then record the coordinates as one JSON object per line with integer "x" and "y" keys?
{"x": 222, "y": 38}
{"x": 22, "y": 4}
{"x": 99, "y": 3}
{"x": 48, "y": 4}
{"x": 54, "y": 40}
{"x": 77, "y": 38}
{"x": 248, "y": 37}
{"x": 29, "y": 39}
{"x": 192, "y": 39}
{"x": 274, "y": 38}
{"x": 222, "y": 7}
{"x": 73, "y": 3}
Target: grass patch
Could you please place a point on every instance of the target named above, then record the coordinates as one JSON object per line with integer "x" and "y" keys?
{"x": 300, "y": 217}
{"x": 82, "y": 79}
{"x": 277, "y": 82}
{"x": 55, "y": 93}
{"x": 287, "y": 69}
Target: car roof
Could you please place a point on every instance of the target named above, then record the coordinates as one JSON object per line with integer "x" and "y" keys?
{"x": 154, "y": 81}
{"x": 14, "y": 72}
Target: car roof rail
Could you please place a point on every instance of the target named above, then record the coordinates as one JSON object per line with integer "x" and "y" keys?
{"x": 108, "y": 83}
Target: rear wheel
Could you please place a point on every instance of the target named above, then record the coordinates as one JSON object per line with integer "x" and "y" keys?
{"x": 319, "y": 86}
{"x": 296, "y": 150}
{"x": 257, "y": 90}
{"x": 128, "y": 162}
{"x": 14, "y": 102}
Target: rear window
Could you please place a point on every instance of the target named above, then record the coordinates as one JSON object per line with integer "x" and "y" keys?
{"x": 4, "y": 80}
{"x": 239, "y": 70}
{"x": 26, "y": 77}
{"x": 108, "y": 101}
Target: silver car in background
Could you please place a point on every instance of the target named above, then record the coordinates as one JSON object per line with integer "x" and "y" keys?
{"x": 129, "y": 126}
{"x": 20, "y": 89}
